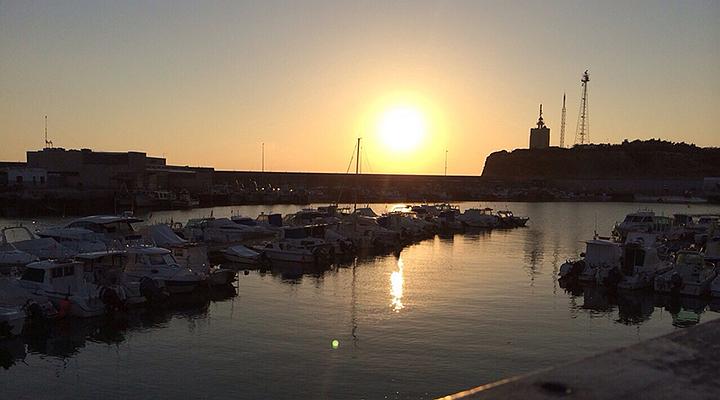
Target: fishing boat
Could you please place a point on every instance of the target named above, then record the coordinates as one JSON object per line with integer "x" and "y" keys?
{"x": 690, "y": 275}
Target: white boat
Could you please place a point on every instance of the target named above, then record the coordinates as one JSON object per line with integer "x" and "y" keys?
{"x": 600, "y": 254}
{"x": 644, "y": 222}
{"x": 105, "y": 269}
{"x": 159, "y": 265}
{"x": 64, "y": 283}
{"x": 241, "y": 254}
{"x": 81, "y": 240}
{"x": 690, "y": 275}
{"x": 19, "y": 246}
{"x": 640, "y": 264}
{"x": 407, "y": 224}
{"x": 222, "y": 230}
{"x": 189, "y": 254}
{"x": 12, "y": 320}
{"x": 114, "y": 231}
{"x": 297, "y": 245}
{"x": 479, "y": 218}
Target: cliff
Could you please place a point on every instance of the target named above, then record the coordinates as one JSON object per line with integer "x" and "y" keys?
{"x": 636, "y": 159}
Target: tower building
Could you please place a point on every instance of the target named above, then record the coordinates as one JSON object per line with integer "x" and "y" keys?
{"x": 540, "y": 136}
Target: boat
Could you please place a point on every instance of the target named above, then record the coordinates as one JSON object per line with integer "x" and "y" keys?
{"x": 188, "y": 254}
{"x": 479, "y": 218}
{"x": 64, "y": 283}
{"x": 80, "y": 240}
{"x": 18, "y": 245}
{"x": 185, "y": 200}
{"x": 297, "y": 245}
{"x": 642, "y": 221}
{"x": 241, "y": 255}
{"x": 222, "y": 230}
{"x": 159, "y": 265}
{"x": 509, "y": 220}
{"x": 105, "y": 269}
{"x": 599, "y": 254}
{"x": 640, "y": 264}
{"x": 113, "y": 231}
{"x": 690, "y": 275}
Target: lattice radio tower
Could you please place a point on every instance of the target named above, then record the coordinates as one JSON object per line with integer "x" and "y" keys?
{"x": 48, "y": 143}
{"x": 562, "y": 123}
{"x": 582, "y": 133}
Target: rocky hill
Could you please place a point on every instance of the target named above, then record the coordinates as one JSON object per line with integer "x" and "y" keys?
{"x": 636, "y": 159}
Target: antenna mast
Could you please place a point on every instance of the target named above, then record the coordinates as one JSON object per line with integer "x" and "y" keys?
{"x": 48, "y": 143}
{"x": 582, "y": 133}
{"x": 562, "y": 123}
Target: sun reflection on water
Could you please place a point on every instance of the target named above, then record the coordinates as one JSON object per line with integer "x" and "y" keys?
{"x": 396, "y": 287}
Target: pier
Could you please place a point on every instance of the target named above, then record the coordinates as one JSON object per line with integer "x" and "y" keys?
{"x": 680, "y": 365}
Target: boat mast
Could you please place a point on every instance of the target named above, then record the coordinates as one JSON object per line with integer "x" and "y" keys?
{"x": 357, "y": 171}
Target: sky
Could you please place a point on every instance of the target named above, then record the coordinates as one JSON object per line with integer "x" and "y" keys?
{"x": 206, "y": 83}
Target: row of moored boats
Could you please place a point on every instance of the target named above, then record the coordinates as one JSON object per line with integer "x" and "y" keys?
{"x": 102, "y": 264}
{"x": 676, "y": 255}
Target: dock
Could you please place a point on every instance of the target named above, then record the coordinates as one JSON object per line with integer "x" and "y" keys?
{"x": 681, "y": 365}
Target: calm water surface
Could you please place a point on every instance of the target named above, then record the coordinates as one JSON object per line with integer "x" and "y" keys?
{"x": 445, "y": 314}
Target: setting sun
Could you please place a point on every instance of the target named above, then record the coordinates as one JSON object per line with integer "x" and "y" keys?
{"x": 402, "y": 128}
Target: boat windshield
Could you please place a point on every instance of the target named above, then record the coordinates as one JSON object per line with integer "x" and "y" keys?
{"x": 690, "y": 259}
{"x": 162, "y": 259}
{"x": 19, "y": 234}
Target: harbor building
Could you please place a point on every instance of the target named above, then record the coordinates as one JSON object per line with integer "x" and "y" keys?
{"x": 87, "y": 169}
{"x": 540, "y": 136}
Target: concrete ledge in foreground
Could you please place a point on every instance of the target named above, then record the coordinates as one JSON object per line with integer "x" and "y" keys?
{"x": 681, "y": 365}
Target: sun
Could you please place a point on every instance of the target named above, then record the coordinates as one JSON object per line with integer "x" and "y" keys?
{"x": 402, "y": 128}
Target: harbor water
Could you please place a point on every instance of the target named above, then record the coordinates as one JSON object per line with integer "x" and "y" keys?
{"x": 443, "y": 315}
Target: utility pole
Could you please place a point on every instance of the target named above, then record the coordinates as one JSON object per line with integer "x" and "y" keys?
{"x": 562, "y": 123}
{"x": 446, "y": 155}
{"x": 263, "y": 157}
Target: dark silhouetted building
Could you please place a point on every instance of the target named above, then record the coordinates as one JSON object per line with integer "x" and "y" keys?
{"x": 540, "y": 136}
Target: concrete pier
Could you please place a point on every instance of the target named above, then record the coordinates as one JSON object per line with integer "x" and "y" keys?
{"x": 681, "y": 365}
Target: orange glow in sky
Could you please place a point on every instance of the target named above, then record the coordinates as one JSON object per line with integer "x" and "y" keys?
{"x": 208, "y": 83}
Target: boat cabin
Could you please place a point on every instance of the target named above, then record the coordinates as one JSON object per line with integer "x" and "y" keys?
{"x": 111, "y": 226}
{"x": 149, "y": 257}
{"x": 54, "y": 277}
{"x": 102, "y": 267}
{"x": 316, "y": 231}
{"x": 602, "y": 252}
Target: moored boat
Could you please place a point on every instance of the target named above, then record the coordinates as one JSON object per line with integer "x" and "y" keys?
{"x": 690, "y": 275}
